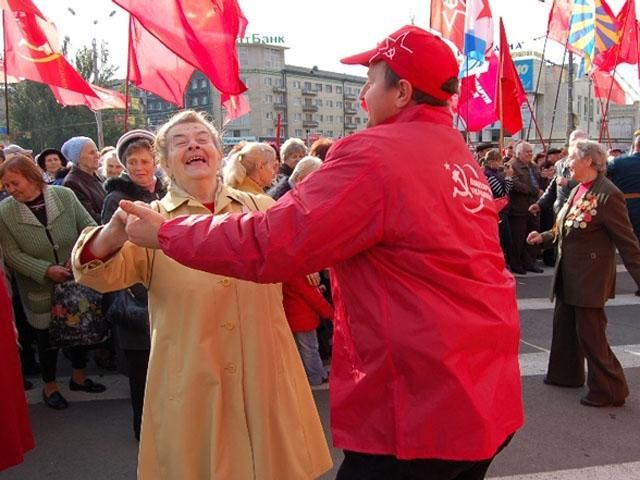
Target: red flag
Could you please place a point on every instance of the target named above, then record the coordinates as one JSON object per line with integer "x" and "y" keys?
{"x": 448, "y": 18}
{"x": 627, "y": 50}
{"x": 603, "y": 82}
{"x": 155, "y": 68}
{"x": 103, "y": 99}
{"x": 202, "y": 32}
{"x": 32, "y": 51}
{"x": 235, "y": 106}
{"x": 21, "y": 6}
{"x": 559, "y": 20}
{"x": 511, "y": 93}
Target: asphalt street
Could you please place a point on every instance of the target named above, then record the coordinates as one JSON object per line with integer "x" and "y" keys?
{"x": 561, "y": 440}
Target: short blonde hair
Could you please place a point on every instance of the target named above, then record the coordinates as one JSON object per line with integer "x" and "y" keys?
{"x": 186, "y": 116}
{"x": 104, "y": 168}
{"x": 246, "y": 162}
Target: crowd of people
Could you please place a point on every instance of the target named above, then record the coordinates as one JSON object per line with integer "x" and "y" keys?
{"x": 213, "y": 274}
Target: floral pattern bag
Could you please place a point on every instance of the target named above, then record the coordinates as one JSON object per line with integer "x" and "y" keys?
{"x": 76, "y": 316}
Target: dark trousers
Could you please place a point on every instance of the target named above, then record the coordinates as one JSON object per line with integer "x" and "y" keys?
{"x": 49, "y": 356}
{"x": 504, "y": 230}
{"x": 523, "y": 255}
{"x": 137, "y": 363}
{"x": 363, "y": 466}
{"x": 579, "y": 333}
{"x": 547, "y": 220}
{"x": 26, "y": 334}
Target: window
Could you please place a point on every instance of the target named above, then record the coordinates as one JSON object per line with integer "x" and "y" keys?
{"x": 321, "y": 118}
{"x": 308, "y": 117}
{"x": 591, "y": 110}
{"x": 194, "y": 101}
{"x": 297, "y": 116}
{"x": 298, "y": 132}
{"x": 339, "y": 104}
{"x": 329, "y": 133}
{"x": 358, "y": 120}
{"x": 579, "y": 104}
{"x": 330, "y": 103}
{"x": 270, "y": 132}
{"x": 268, "y": 81}
{"x": 338, "y": 89}
{"x": 203, "y": 83}
{"x": 318, "y": 87}
{"x": 204, "y": 100}
{"x": 339, "y": 119}
{"x": 280, "y": 99}
{"x": 330, "y": 119}
{"x": 272, "y": 58}
{"x": 319, "y": 102}
{"x": 297, "y": 101}
{"x": 307, "y": 85}
{"x": 268, "y": 99}
{"x": 269, "y": 115}
{"x": 307, "y": 102}
{"x": 296, "y": 84}
{"x": 278, "y": 82}
{"x": 328, "y": 88}
{"x": 243, "y": 56}
{"x": 194, "y": 84}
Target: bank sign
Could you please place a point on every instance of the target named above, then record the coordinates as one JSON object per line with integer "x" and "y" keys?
{"x": 525, "y": 70}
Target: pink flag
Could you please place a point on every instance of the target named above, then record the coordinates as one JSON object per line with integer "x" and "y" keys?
{"x": 477, "y": 102}
{"x": 235, "y": 106}
{"x": 103, "y": 100}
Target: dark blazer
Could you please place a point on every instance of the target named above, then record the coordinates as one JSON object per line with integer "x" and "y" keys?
{"x": 88, "y": 189}
{"x": 586, "y": 256}
{"x": 523, "y": 192}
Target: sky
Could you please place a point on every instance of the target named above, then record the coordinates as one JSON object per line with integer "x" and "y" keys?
{"x": 316, "y": 33}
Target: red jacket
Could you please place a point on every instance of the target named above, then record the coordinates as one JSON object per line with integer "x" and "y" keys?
{"x": 426, "y": 331}
{"x": 304, "y": 305}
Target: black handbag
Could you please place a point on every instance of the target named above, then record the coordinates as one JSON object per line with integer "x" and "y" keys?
{"x": 128, "y": 309}
{"x": 76, "y": 316}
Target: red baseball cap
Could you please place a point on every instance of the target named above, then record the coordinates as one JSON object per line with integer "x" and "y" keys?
{"x": 416, "y": 55}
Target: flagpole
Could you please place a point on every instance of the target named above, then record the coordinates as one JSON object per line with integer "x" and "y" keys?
{"x": 466, "y": 124}
{"x": 535, "y": 122}
{"x": 6, "y": 75}
{"x": 278, "y": 130}
{"x": 535, "y": 95}
{"x": 555, "y": 103}
{"x": 126, "y": 81}
{"x": 500, "y": 102}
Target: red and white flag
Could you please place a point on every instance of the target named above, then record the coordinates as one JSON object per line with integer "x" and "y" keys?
{"x": 104, "y": 98}
{"x": 448, "y": 18}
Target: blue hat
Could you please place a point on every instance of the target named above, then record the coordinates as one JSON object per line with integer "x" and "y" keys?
{"x": 71, "y": 148}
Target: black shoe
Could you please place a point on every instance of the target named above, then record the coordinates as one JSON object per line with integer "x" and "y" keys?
{"x": 535, "y": 270}
{"x": 587, "y": 402}
{"x": 27, "y": 384}
{"x": 31, "y": 369}
{"x": 518, "y": 271}
{"x": 546, "y": 381}
{"x": 55, "y": 401}
{"x": 88, "y": 386}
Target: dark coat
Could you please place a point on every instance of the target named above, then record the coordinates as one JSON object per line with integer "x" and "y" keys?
{"x": 523, "y": 191}
{"x": 624, "y": 172}
{"x": 88, "y": 189}
{"x": 132, "y": 332}
{"x": 586, "y": 256}
{"x": 555, "y": 194}
{"x": 281, "y": 187}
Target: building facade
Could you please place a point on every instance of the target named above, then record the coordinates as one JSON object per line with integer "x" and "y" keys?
{"x": 302, "y": 102}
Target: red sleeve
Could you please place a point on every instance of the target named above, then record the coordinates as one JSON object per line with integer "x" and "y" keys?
{"x": 337, "y": 212}
{"x": 87, "y": 255}
{"x": 311, "y": 296}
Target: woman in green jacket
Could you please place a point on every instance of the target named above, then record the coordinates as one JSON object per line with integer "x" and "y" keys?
{"x": 38, "y": 226}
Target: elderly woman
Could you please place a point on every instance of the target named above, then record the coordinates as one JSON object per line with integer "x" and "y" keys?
{"x": 52, "y": 163}
{"x": 589, "y": 228}
{"x": 251, "y": 169}
{"x": 83, "y": 178}
{"x": 131, "y": 320}
{"x": 39, "y": 224}
{"x": 226, "y": 394}
{"x": 110, "y": 165}
{"x": 291, "y": 153}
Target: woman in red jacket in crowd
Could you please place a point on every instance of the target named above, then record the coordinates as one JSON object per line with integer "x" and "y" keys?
{"x": 15, "y": 431}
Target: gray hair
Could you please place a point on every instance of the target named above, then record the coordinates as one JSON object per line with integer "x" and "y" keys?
{"x": 292, "y": 146}
{"x": 245, "y": 162}
{"x": 520, "y": 146}
{"x": 593, "y": 150}
{"x": 305, "y": 167}
{"x": 576, "y": 135}
{"x": 636, "y": 143}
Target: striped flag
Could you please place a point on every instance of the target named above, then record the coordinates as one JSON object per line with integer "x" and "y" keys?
{"x": 593, "y": 29}
{"x": 478, "y": 35}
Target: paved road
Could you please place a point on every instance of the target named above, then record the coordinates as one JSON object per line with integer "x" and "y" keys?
{"x": 561, "y": 440}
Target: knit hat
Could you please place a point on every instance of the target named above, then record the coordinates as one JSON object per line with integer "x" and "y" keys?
{"x": 132, "y": 136}
{"x": 71, "y": 148}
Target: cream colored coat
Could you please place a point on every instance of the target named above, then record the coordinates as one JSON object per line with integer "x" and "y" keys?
{"x": 227, "y": 397}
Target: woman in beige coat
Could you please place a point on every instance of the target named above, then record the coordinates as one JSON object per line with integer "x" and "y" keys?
{"x": 227, "y": 397}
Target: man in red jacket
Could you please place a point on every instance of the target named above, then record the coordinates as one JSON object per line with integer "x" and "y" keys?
{"x": 425, "y": 380}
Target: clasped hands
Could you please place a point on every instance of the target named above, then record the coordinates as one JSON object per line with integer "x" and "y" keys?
{"x": 136, "y": 222}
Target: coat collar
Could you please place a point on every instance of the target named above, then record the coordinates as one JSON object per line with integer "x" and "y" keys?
{"x": 52, "y": 205}
{"x": 176, "y": 197}
{"x": 422, "y": 112}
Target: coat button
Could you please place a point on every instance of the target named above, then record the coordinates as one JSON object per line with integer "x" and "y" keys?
{"x": 225, "y": 282}
{"x": 56, "y": 247}
{"x": 229, "y": 326}
{"x": 230, "y": 368}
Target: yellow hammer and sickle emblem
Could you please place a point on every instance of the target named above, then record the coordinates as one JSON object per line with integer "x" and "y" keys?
{"x": 42, "y": 48}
